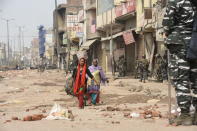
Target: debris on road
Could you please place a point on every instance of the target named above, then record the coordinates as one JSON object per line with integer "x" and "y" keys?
{"x": 15, "y": 118}
{"x": 35, "y": 117}
{"x": 134, "y": 115}
{"x": 1, "y": 78}
{"x": 44, "y": 111}
{"x": 58, "y": 113}
{"x": 115, "y": 122}
{"x": 39, "y": 106}
{"x": 107, "y": 115}
{"x": 147, "y": 112}
{"x": 7, "y": 121}
{"x": 109, "y": 108}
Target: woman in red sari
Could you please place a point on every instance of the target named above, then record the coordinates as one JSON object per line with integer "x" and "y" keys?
{"x": 80, "y": 81}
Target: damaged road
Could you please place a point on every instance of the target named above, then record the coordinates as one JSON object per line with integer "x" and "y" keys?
{"x": 27, "y": 97}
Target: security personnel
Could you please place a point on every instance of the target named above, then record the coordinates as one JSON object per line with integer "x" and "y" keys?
{"x": 143, "y": 68}
{"x": 137, "y": 71}
{"x": 178, "y": 23}
{"x": 159, "y": 63}
{"x": 122, "y": 66}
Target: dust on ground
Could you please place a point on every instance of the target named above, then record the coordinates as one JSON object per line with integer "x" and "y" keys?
{"x": 28, "y": 92}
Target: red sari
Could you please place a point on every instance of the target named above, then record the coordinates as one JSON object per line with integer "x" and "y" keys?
{"x": 80, "y": 85}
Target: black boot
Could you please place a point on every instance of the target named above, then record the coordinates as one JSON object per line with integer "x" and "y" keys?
{"x": 184, "y": 119}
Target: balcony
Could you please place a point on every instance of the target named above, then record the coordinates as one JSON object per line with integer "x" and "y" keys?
{"x": 125, "y": 10}
{"x": 91, "y": 30}
{"x": 106, "y": 19}
{"x": 90, "y": 5}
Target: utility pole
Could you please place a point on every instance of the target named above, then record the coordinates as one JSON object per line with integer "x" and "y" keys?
{"x": 56, "y": 33}
{"x": 23, "y": 42}
{"x": 111, "y": 47}
{"x": 19, "y": 41}
{"x": 8, "y": 39}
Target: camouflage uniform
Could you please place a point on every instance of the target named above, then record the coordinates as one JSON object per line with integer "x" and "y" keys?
{"x": 137, "y": 71}
{"x": 178, "y": 23}
{"x": 122, "y": 67}
{"x": 143, "y": 68}
{"x": 160, "y": 68}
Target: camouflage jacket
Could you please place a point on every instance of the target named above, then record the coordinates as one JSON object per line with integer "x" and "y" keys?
{"x": 178, "y": 21}
{"x": 143, "y": 64}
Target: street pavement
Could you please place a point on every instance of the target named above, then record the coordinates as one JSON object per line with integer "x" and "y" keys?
{"x": 124, "y": 104}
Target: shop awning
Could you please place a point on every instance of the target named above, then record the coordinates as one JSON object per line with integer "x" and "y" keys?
{"x": 116, "y": 35}
{"x": 128, "y": 37}
{"x": 88, "y": 43}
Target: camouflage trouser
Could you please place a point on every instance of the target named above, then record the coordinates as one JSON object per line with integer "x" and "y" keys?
{"x": 143, "y": 74}
{"x": 183, "y": 74}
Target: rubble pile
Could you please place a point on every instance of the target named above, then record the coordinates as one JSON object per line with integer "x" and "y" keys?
{"x": 148, "y": 112}
{"x": 11, "y": 73}
{"x": 35, "y": 117}
{"x": 109, "y": 108}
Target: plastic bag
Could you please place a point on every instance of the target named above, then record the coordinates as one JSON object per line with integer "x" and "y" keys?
{"x": 59, "y": 113}
{"x": 69, "y": 85}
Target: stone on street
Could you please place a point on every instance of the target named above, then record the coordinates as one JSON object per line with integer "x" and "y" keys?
{"x": 27, "y": 93}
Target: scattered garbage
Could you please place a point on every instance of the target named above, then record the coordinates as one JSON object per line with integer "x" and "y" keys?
{"x": 15, "y": 118}
{"x": 151, "y": 114}
{"x": 115, "y": 122}
{"x": 134, "y": 115}
{"x": 107, "y": 115}
{"x": 59, "y": 113}
{"x": 147, "y": 112}
{"x": 35, "y": 117}
{"x": 109, "y": 108}
{"x": 44, "y": 111}
{"x": 1, "y": 78}
{"x": 127, "y": 115}
{"x": 7, "y": 121}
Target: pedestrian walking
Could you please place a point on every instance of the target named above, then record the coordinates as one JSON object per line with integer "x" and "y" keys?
{"x": 178, "y": 23}
{"x": 93, "y": 88}
{"x": 80, "y": 81}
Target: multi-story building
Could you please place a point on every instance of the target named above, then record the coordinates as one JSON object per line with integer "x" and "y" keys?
{"x": 35, "y": 52}
{"x": 49, "y": 46}
{"x": 116, "y": 24}
{"x": 91, "y": 37}
{"x": 66, "y": 28}
{"x": 2, "y": 54}
{"x": 149, "y": 26}
{"x": 111, "y": 29}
